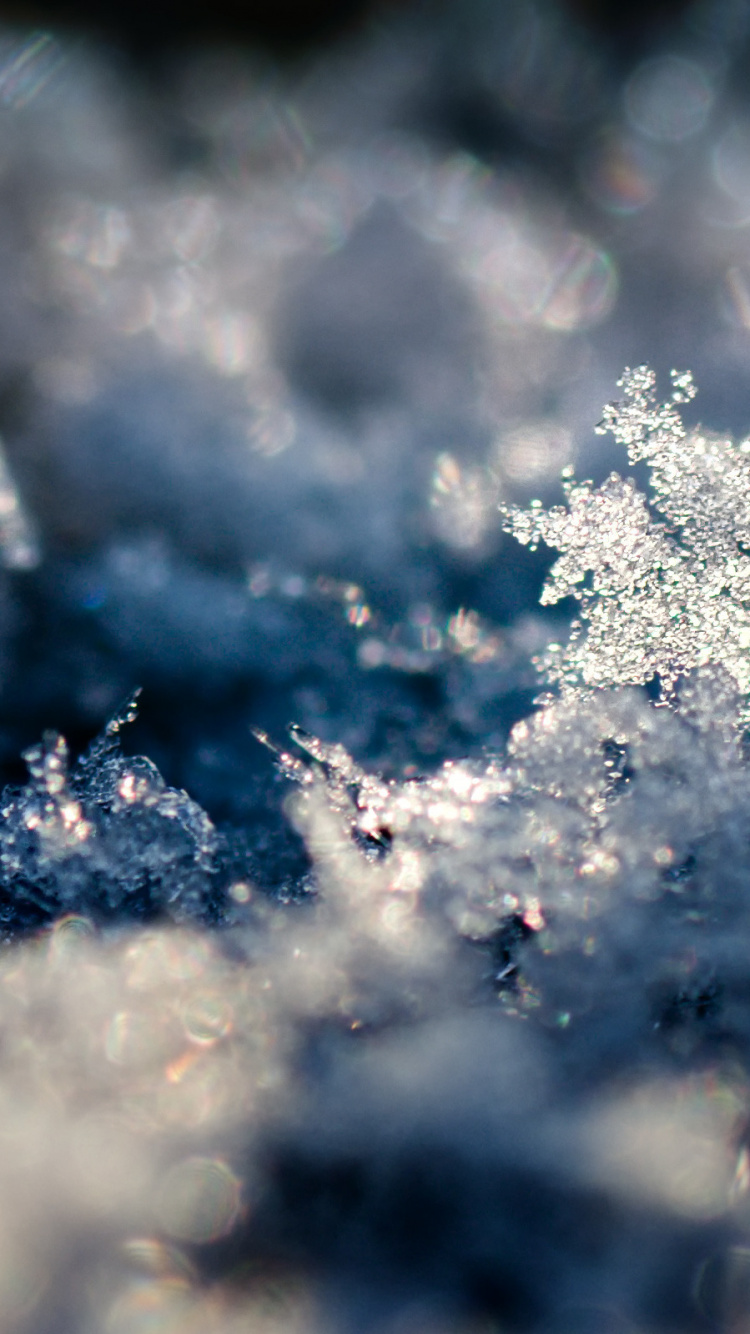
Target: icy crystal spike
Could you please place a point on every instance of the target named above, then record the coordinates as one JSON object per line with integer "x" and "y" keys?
{"x": 106, "y": 837}
{"x": 660, "y": 595}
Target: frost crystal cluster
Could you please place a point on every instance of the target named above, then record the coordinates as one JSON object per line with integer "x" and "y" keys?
{"x": 663, "y": 589}
{"x": 106, "y": 837}
{"x": 488, "y": 1014}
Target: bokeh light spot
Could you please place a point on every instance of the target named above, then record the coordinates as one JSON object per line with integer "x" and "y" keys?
{"x": 669, "y": 98}
{"x": 199, "y": 1200}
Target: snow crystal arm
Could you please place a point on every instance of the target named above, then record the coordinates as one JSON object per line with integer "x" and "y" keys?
{"x": 638, "y": 421}
{"x": 107, "y": 743}
{"x": 656, "y": 598}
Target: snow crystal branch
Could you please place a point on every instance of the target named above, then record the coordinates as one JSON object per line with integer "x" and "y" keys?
{"x": 658, "y": 596}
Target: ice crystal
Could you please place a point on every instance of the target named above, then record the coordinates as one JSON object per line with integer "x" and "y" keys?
{"x": 589, "y": 807}
{"x": 106, "y": 837}
{"x": 660, "y": 592}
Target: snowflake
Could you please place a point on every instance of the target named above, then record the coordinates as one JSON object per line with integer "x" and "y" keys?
{"x": 661, "y": 590}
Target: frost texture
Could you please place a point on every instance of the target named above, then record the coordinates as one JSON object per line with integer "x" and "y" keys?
{"x": 426, "y": 1028}
{"x": 107, "y": 837}
{"x": 659, "y": 595}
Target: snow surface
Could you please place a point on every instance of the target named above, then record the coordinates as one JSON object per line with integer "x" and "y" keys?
{"x": 404, "y": 986}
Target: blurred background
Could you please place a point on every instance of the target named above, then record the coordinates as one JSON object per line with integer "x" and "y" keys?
{"x": 292, "y": 296}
